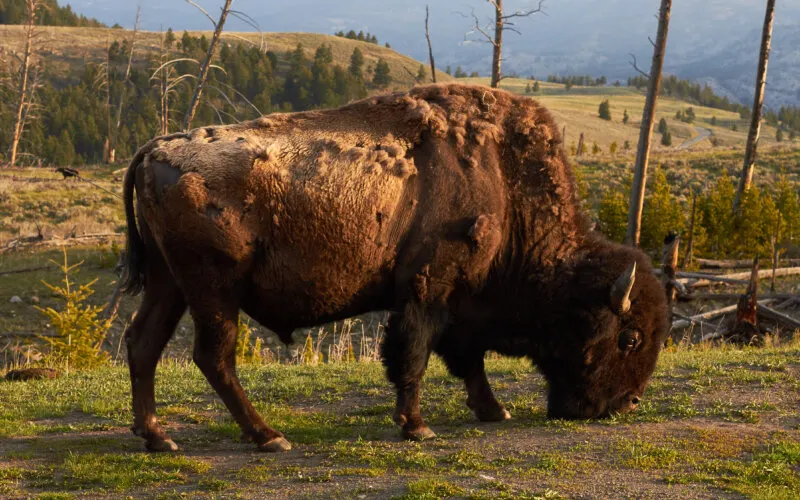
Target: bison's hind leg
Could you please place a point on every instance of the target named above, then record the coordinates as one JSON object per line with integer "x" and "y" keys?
{"x": 466, "y": 362}
{"x": 158, "y": 315}
{"x": 215, "y": 354}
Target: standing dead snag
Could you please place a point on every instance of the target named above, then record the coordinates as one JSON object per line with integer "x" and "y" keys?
{"x": 113, "y": 138}
{"x": 758, "y": 104}
{"x": 494, "y": 34}
{"x": 430, "y": 47}
{"x": 203, "y": 76}
{"x": 646, "y": 133}
{"x": 669, "y": 264}
{"x": 746, "y": 325}
{"x": 687, "y": 258}
{"x": 27, "y": 83}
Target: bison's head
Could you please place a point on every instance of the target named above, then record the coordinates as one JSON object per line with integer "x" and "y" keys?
{"x": 599, "y": 356}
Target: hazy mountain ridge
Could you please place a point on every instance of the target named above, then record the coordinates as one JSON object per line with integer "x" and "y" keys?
{"x": 713, "y": 40}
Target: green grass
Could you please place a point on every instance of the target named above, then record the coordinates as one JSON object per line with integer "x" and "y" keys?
{"x": 737, "y": 435}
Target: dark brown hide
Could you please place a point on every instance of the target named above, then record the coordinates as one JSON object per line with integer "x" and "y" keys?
{"x": 452, "y": 206}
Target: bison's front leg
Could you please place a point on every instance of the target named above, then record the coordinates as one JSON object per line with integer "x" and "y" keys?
{"x": 215, "y": 355}
{"x": 466, "y": 362}
{"x": 405, "y": 352}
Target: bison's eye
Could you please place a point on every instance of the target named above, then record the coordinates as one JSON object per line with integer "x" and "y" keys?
{"x": 628, "y": 340}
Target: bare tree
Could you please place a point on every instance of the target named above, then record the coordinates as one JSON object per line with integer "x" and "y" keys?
{"x": 646, "y": 132}
{"x": 203, "y": 76}
{"x": 758, "y": 104}
{"x": 493, "y": 33}
{"x": 430, "y": 47}
{"x": 114, "y": 136}
{"x": 163, "y": 76}
{"x": 27, "y": 80}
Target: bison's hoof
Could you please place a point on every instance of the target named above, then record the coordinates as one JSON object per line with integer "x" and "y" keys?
{"x": 275, "y": 445}
{"x": 161, "y": 444}
{"x": 494, "y": 415}
{"x": 419, "y": 434}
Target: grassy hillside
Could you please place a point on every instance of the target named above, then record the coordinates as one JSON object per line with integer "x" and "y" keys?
{"x": 67, "y": 48}
{"x": 577, "y": 109}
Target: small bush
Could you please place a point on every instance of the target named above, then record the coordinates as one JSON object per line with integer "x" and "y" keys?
{"x": 80, "y": 331}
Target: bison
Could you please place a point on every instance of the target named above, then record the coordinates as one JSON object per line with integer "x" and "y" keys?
{"x": 451, "y": 206}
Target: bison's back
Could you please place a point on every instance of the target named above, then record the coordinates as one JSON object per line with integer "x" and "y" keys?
{"x": 317, "y": 210}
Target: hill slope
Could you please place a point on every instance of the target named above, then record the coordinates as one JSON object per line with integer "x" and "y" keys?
{"x": 72, "y": 47}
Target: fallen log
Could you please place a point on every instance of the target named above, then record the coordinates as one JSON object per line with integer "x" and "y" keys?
{"x": 713, "y": 314}
{"x": 735, "y": 296}
{"x": 26, "y": 270}
{"x": 703, "y": 280}
{"x": 736, "y": 264}
{"x": 778, "y": 316}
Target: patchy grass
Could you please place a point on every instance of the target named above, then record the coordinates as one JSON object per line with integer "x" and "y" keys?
{"x": 714, "y": 422}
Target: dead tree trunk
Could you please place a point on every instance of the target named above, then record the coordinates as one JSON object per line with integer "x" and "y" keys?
{"x": 580, "y": 145}
{"x": 669, "y": 264}
{"x": 112, "y": 150}
{"x": 746, "y": 324}
{"x": 501, "y": 23}
{"x": 646, "y": 133}
{"x": 203, "y": 76}
{"x": 687, "y": 258}
{"x": 430, "y": 47}
{"x": 23, "y": 90}
{"x": 497, "y": 45}
{"x": 758, "y": 104}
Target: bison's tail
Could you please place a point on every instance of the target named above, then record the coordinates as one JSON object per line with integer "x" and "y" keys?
{"x": 133, "y": 276}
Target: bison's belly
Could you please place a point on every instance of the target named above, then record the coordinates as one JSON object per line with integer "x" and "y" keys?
{"x": 328, "y": 239}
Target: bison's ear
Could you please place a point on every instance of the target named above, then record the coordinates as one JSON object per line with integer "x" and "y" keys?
{"x": 621, "y": 291}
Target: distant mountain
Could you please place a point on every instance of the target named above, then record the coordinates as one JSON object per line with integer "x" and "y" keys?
{"x": 715, "y": 41}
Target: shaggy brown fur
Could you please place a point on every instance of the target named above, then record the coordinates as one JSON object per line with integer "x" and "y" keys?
{"x": 453, "y": 206}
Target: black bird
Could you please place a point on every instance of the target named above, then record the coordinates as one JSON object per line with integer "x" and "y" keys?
{"x": 68, "y": 172}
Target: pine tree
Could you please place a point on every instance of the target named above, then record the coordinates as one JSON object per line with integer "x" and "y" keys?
{"x": 662, "y": 126}
{"x": 605, "y": 110}
{"x": 779, "y": 135}
{"x": 382, "y": 77}
{"x": 595, "y": 148}
{"x": 788, "y": 205}
{"x": 421, "y": 73}
{"x": 536, "y": 86}
{"x": 713, "y": 121}
{"x": 612, "y": 214}
{"x": 448, "y": 70}
{"x": 169, "y": 38}
{"x": 613, "y": 148}
{"x": 716, "y": 216}
{"x": 661, "y": 213}
{"x": 528, "y": 88}
{"x": 460, "y": 73}
{"x": 356, "y": 67}
{"x": 625, "y": 117}
{"x": 666, "y": 139}
{"x": 627, "y": 146}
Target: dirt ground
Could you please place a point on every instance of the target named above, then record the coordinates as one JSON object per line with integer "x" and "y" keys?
{"x": 716, "y": 423}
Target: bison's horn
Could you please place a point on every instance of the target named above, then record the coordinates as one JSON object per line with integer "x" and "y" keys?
{"x": 621, "y": 291}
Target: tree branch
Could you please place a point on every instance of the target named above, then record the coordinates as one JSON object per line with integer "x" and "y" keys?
{"x": 633, "y": 63}
{"x": 204, "y": 11}
{"x": 523, "y": 13}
